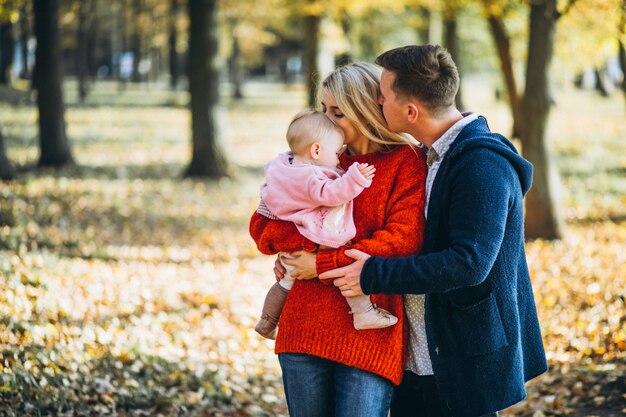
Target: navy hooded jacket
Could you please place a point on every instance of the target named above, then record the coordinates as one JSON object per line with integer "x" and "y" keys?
{"x": 482, "y": 328}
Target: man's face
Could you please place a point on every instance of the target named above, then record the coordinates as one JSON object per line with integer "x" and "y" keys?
{"x": 394, "y": 112}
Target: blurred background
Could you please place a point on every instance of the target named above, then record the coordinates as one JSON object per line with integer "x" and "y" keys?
{"x": 133, "y": 135}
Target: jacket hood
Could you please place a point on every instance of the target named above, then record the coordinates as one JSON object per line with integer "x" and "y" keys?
{"x": 477, "y": 134}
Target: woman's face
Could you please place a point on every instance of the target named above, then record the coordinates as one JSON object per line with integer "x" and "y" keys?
{"x": 352, "y": 136}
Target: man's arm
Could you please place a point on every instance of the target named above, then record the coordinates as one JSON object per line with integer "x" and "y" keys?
{"x": 481, "y": 190}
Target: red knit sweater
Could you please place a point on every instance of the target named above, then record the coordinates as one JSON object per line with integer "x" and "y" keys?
{"x": 389, "y": 218}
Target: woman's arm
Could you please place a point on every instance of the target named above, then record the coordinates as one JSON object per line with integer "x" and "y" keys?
{"x": 273, "y": 236}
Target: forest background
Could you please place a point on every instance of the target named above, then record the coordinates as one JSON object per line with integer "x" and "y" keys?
{"x": 132, "y": 139}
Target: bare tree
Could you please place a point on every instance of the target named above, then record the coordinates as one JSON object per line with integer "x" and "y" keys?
{"x": 452, "y": 44}
{"x": 207, "y": 159}
{"x": 85, "y": 21}
{"x": 543, "y": 213}
{"x": 7, "y": 172}
{"x": 24, "y": 35}
{"x": 7, "y": 47}
{"x": 312, "y": 23}
{"x": 54, "y": 144}
{"x": 502, "y": 41}
{"x": 172, "y": 40}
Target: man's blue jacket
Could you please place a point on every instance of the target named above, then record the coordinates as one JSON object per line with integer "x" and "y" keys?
{"x": 482, "y": 328}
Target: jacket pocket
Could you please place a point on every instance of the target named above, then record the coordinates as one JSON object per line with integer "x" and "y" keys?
{"x": 478, "y": 327}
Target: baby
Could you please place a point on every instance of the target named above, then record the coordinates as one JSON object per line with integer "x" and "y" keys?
{"x": 305, "y": 186}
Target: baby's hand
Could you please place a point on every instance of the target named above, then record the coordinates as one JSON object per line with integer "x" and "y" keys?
{"x": 367, "y": 170}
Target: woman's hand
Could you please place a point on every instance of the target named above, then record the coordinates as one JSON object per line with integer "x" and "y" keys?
{"x": 303, "y": 263}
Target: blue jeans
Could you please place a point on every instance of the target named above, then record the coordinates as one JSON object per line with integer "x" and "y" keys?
{"x": 317, "y": 387}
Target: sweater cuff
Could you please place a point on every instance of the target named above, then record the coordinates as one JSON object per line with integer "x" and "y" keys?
{"x": 308, "y": 246}
{"x": 325, "y": 261}
{"x": 368, "y": 276}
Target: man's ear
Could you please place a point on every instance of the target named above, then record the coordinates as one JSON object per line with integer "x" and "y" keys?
{"x": 412, "y": 112}
{"x": 315, "y": 150}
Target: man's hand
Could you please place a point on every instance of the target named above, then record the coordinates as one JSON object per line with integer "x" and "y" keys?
{"x": 348, "y": 278}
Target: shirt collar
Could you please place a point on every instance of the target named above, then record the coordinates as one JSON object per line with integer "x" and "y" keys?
{"x": 441, "y": 145}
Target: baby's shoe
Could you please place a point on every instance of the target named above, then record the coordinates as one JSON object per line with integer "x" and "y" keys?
{"x": 266, "y": 327}
{"x": 373, "y": 318}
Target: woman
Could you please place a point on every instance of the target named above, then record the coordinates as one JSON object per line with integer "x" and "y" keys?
{"x": 329, "y": 368}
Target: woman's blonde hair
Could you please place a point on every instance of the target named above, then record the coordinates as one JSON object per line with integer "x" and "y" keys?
{"x": 356, "y": 88}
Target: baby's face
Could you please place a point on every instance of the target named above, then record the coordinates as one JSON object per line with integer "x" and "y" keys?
{"x": 330, "y": 149}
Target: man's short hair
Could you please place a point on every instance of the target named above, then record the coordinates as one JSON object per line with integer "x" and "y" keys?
{"x": 424, "y": 72}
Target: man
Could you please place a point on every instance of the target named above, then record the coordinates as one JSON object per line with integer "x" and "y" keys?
{"x": 474, "y": 336}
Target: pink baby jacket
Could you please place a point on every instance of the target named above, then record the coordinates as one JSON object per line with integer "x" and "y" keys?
{"x": 317, "y": 199}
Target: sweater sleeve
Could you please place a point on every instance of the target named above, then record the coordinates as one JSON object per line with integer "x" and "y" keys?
{"x": 404, "y": 225}
{"x": 273, "y": 236}
{"x": 477, "y": 218}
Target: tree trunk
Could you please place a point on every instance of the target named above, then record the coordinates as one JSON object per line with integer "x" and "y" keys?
{"x": 7, "y": 48}
{"x": 503, "y": 45}
{"x": 543, "y": 214}
{"x": 622, "y": 61}
{"x": 172, "y": 41}
{"x": 54, "y": 144}
{"x": 423, "y": 30}
{"x": 207, "y": 159}
{"x": 7, "y": 172}
{"x": 136, "y": 40}
{"x": 346, "y": 26}
{"x": 601, "y": 86}
{"x": 24, "y": 32}
{"x": 93, "y": 41}
{"x": 311, "y": 51}
{"x": 237, "y": 71}
{"x": 84, "y": 15}
{"x": 451, "y": 42}
{"x": 122, "y": 43}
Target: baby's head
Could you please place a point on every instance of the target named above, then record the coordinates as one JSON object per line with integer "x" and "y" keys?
{"x": 313, "y": 138}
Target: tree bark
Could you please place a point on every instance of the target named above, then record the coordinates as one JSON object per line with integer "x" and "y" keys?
{"x": 84, "y": 16}
{"x": 543, "y": 214}
{"x": 423, "y": 31}
{"x": 237, "y": 71}
{"x": 503, "y": 46}
{"x": 207, "y": 158}
{"x": 601, "y": 85}
{"x": 451, "y": 42}
{"x": 172, "y": 41}
{"x": 7, "y": 48}
{"x": 312, "y": 43}
{"x": 54, "y": 144}
{"x": 121, "y": 41}
{"x": 93, "y": 41}
{"x": 7, "y": 171}
{"x": 24, "y": 33}
{"x": 622, "y": 61}
{"x": 136, "y": 40}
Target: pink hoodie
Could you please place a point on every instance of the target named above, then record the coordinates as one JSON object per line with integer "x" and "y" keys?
{"x": 317, "y": 199}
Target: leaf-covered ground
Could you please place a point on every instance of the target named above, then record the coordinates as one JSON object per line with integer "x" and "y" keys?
{"x": 126, "y": 290}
